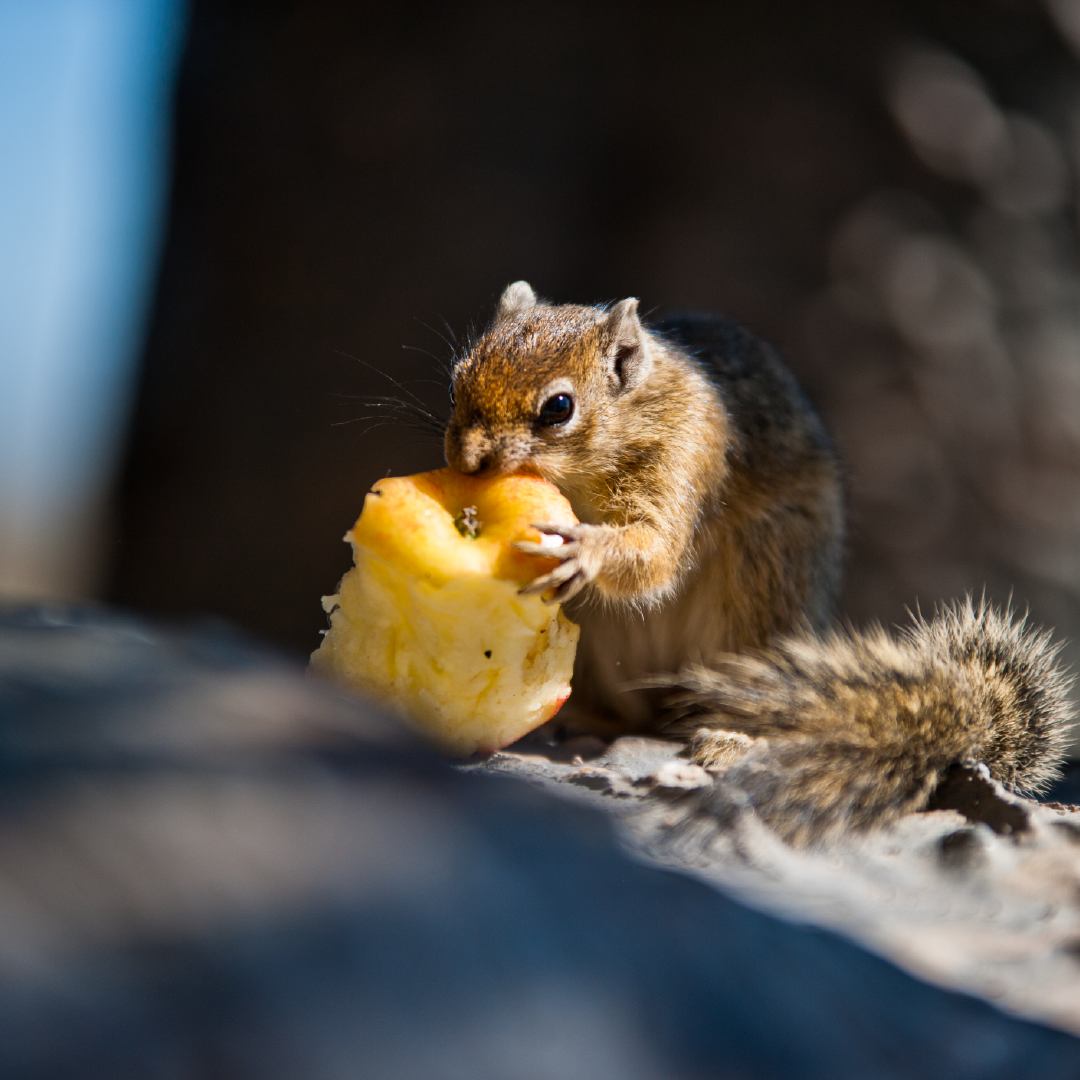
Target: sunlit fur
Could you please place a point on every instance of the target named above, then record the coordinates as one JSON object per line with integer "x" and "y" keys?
{"x": 709, "y": 491}
{"x": 711, "y": 546}
{"x": 856, "y": 729}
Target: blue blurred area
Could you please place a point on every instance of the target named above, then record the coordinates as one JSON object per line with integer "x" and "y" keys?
{"x": 85, "y": 93}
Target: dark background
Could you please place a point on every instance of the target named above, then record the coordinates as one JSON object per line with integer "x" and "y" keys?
{"x": 351, "y": 182}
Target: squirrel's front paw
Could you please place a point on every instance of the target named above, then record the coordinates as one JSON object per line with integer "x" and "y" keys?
{"x": 581, "y": 555}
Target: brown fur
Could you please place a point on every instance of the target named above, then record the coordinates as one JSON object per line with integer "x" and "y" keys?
{"x": 855, "y": 730}
{"x": 710, "y": 498}
{"x": 712, "y": 524}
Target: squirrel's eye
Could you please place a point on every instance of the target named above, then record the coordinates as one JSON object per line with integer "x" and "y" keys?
{"x": 556, "y": 410}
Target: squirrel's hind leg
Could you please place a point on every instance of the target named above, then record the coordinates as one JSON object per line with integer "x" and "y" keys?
{"x": 717, "y": 749}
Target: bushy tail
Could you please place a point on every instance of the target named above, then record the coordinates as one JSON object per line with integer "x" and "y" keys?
{"x": 859, "y": 728}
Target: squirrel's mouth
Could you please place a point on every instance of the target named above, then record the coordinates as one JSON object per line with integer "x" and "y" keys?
{"x": 507, "y": 466}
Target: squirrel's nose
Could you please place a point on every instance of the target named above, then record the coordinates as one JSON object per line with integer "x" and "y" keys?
{"x": 474, "y": 451}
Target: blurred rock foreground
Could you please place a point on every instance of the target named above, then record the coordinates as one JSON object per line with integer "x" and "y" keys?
{"x": 210, "y": 866}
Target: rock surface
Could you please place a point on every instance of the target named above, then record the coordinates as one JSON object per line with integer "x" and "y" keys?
{"x": 210, "y": 866}
{"x": 980, "y": 894}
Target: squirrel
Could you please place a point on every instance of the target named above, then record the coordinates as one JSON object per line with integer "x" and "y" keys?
{"x": 708, "y": 557}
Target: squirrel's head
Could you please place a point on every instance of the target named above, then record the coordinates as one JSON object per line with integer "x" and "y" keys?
{"x": 539, "y": 391}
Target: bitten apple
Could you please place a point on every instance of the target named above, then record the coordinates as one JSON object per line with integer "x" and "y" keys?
{"x": 430, "y": 620}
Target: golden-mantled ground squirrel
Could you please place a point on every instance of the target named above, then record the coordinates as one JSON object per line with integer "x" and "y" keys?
{"x": 712, "y": 525}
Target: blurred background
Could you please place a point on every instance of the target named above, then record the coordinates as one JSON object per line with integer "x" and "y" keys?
{"x": 85, "y": 96}
{"x": 885, "y": 190}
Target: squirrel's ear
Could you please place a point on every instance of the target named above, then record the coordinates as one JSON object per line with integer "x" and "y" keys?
{"x": 515, "y": 299}
{"x": 627, "y": 344}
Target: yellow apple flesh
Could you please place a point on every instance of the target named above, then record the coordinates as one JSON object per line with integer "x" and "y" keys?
{"x": 429, "y": 620}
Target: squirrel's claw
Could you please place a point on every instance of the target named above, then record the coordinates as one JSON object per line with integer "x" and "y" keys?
{"x": 555, "y": 580}
{"x": 567, "y": 579}
{"x": 568, "y": 590}
{"x": 567, "y": 532}
{"x": 570, "y": 547}
{"x": 545, "y": 551}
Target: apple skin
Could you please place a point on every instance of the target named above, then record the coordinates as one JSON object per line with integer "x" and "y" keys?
{"x": 409, "y": 520}
{"x": 431, "y": 623}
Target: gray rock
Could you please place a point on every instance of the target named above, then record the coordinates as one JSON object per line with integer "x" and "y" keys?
{"x": 210, "y": 866}
{"x": 981, "y": 894}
